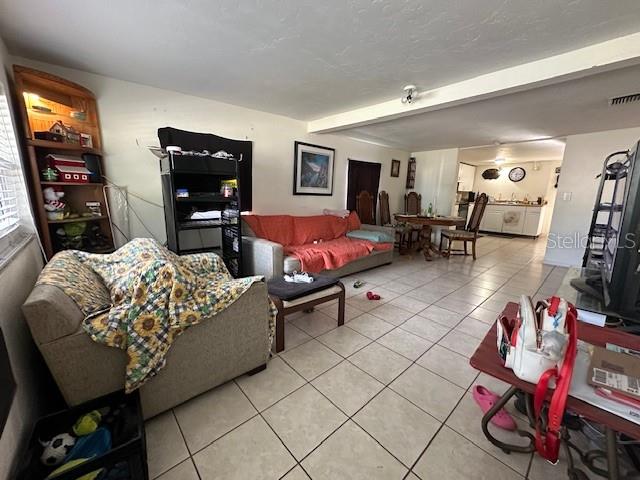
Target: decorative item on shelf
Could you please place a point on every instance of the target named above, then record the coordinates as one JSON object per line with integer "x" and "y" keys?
{"x": 56, "y": 209}
{"x": 49, "y": 174}
{"x": 69, "y": 134}
{"x": 94, "y": 208}
{"x": 49, "y": 136}
{"x": 92, "y": 162}
{"x": 86, "y": 141}
{"x": 71, "y": 235}
{"x": 79, "y": 115}
{"x": 227, "y": 190}
{"x": 41, "y": 109}
{"x": 313, "y": 170}
{"x": 70, "y": 169}
{"x": 395, "y": 168}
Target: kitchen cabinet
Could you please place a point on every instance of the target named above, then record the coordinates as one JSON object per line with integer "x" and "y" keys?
{"x": 492, "y": 220}
{"x": 512, "y": 219}
{"x": 466, "y": 177}
{"x": 533, "y": 221}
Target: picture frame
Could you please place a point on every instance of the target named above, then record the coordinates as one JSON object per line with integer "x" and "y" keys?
{"x": 395, "y": 168}
{"x": 313, "y": 169}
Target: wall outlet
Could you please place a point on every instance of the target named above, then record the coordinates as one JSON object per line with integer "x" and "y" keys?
{"x": 566, "y": 196}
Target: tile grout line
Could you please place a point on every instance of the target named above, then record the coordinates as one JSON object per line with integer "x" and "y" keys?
{"x": 297, "y": 463}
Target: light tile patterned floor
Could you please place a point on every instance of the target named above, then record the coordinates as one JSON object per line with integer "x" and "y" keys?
{"x": 386, "y": 396}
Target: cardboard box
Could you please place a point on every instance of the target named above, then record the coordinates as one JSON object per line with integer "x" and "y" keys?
{"x": 619, "y": 372}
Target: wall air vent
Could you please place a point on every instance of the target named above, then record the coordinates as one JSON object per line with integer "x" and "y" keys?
{"x": 624, "y": 99}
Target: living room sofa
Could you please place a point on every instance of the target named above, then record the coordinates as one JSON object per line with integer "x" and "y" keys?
{"x": 218, "y": 349}
{"x": 269, "y": 256}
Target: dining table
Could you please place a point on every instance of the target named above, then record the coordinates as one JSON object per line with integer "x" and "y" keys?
{"x": 426, "y": 224}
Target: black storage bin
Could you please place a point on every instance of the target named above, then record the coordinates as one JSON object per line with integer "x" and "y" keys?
{"x": 128, "y": 451}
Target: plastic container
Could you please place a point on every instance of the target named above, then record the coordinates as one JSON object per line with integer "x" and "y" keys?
{"x": 128, "y": 453}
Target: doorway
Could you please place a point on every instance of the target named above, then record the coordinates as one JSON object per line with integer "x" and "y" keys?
{"x": 362, "y": 176}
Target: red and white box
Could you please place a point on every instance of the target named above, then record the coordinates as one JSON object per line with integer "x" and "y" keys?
{"x": 70, "y": 169}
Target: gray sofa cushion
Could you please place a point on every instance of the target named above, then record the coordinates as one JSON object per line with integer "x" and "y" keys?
{"x": 292, "y": 264}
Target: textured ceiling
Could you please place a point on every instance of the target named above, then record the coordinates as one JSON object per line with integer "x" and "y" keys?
{"x": 541, "y": 151}
{"x": 305, "y": 58}
{"x": 578, "y": 106}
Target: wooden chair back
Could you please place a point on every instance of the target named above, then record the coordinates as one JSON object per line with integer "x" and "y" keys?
{"x": 413, "y": 203}
{"x": 477, "y": 213}
{"x": 364, "y": 208}
{"x": 385, "y": 213}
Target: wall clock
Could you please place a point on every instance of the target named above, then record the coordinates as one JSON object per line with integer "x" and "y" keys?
{"x": 517, "y": 174}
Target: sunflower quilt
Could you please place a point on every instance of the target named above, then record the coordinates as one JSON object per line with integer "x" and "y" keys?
{"x": 155, "y": 295}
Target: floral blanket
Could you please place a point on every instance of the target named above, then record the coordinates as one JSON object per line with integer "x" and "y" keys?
{"x": 155, "y": 295}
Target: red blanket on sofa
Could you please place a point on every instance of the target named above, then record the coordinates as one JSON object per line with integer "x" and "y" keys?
{"x": 329, "y": 255}
{"x": 297, "y": 234}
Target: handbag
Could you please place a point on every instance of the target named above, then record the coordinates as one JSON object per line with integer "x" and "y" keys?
{"x": 540, "y": 344}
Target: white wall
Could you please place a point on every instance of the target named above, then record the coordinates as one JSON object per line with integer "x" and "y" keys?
{"x": 437, "y": 178}
{"x": 583, "y": 159}
{"x": 535, "y": 183}
{"x": 130, "y": 115}
{"x": 17, "y": 279}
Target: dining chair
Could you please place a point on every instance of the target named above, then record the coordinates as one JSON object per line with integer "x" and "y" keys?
{"x": 470, "y": 233}
{"x": 364, "y": 208}
{"x": 413, "y": 203}
{"x": 413, "y": 206}
{"x": 403, "y": 231}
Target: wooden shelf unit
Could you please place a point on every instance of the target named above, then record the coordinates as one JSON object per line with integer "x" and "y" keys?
{"x": 66, "y": 147}
{"x": 62, "y": 97}
{"x": 80, "y": 219}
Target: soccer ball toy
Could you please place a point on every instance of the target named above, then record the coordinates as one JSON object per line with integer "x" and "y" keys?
{"x": 56, "y": 449}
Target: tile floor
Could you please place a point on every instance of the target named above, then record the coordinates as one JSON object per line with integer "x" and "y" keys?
{"x": 386, "y": 396}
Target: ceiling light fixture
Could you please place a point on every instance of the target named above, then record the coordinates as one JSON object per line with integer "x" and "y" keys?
{"x": 410, "y": 94}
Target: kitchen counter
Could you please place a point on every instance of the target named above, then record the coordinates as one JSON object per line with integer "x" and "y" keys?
{"x": 508, "y": 204}
{"x": 512, "y": 218}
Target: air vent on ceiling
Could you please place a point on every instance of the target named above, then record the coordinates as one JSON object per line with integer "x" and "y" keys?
{"x": 624, "y": 99}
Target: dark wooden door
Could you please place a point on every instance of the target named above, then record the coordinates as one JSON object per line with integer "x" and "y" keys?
{"x": 362, "y": 176}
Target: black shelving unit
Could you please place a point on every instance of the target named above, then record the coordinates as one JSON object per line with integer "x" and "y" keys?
{"x": 202, "y": 176}
{"x": 607, "y": 212}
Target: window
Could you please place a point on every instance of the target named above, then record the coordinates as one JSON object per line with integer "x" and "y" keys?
{"x": 15, "y": 217}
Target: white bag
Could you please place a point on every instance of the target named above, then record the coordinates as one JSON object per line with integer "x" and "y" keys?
{"x": 540, "y": 345}
{"x": 534, "y": 341}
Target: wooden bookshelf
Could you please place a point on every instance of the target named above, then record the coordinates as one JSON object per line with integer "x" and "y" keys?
{"x": 45, "y": 99}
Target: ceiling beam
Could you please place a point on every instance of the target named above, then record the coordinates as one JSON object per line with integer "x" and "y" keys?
{"x": 601, "y": 57}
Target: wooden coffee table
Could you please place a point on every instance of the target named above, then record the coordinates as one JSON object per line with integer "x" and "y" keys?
{"x": 306, "y": 302}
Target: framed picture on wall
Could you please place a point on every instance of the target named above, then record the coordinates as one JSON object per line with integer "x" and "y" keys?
{"x": 313, "y": 169}
{"x": 395, "y": 168}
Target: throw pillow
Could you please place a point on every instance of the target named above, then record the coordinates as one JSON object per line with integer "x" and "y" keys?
{"x": 354, "y": 221}
{"x": 371, "y": 235}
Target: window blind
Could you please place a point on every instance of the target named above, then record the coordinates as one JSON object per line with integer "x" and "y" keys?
{"x": 11, "y": 186}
